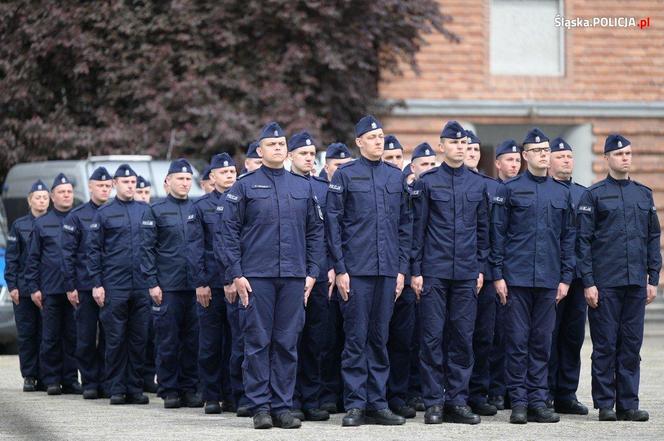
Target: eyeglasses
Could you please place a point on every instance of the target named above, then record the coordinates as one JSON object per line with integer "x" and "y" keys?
{"x": 539, "y": 150}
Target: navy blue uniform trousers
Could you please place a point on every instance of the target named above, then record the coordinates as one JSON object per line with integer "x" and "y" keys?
{"x": 125, "y": 316}
{"x": 57, "y": 354}
{"x": 447, "y": 319}
{"x": 332, "y": 387}
{"x": 176, "y": 343}
{"x": 236, "y": 357}
{"x": 29, "y": 332}
{"x": 365, "y": 364}
{"x": 497, "y": 386}
{"x": 530, "y": 318}
{"x": 616, "y": 330}
{"x": 273, "y": 321}
{"x": 310, "y": 349}
{"x": 90, "y": 343}
{"x": 213, "y": 353}
{"x": 483, "y": 338}
{"x": 400, "y": 348}
{"x": 566, "y": 343}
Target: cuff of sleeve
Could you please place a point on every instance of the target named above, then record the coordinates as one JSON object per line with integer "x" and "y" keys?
{"x": 403, "y": 268}
{"x": 415, "y": 270}
{"x": 340, "y": 268}
{"x": 313, "y": 271}
{"x": 588, "y": 281}
{"x": 236, "y": 271}
{"x": 152, "y": 282}
{"x": 497, "y": 273}
{"x": 566, "y": 279}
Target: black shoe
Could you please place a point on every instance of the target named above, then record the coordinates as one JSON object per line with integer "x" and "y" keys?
{"x": 243, "y": 412}
{"x": 90, "y": 394}
{"x": 150, "y": 386}
{"x": 138, "y": 399}
{"x": 542, "y": 415}
{"x": 192, "y": 399}
{"x": 548, "y": 404}
{"x": 460, "y": 415}
{"x": 484, "y": 409}
{"x": 29, "y": 384}
{"x": 632, "y": 415}
{"x": 405, "y": 411}
{"x": 41, "y": 387}
{"x": 570, "y": 407}
{"x": 54, "y": 389}
{"x": 72, "y": 389}
{"x": 103, "y": 394}
{"x": 353, "y": 418}
{"x": 118, "y": 399}
{"x": 228, "y": 406}
{"x": 607, "y": 415}
{"x": 383, "y": 417}
{"x": 286, "y": 420}
{"x": 519, "y": 415}
{"x": 262, "y": 420}
{"x": 172, "y": 402}
{"x": 434, "y": 415}
{"x": 316, "y": 415}
{"x": 498, "y": 402}
{"x": 297, "y": 413}
{"x": 417, "y": 404}
{"x": 330, "y": 408}
{"x": 212, "y": 407}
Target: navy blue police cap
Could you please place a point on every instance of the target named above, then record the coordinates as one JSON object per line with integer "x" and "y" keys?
{"x": 322, "y": 174}
{"x": 472, "y": 137}
{"x": 366, "y": 124}
{"x": 124, "y": 171}
{"x": 100, "y": 174}
{"x": 300, "y": 139}
{"x": 453, "y": 130}
{"x": 422, "y": 150}
{"x": 38, "y": 186}
{"x": 206, "y": 173}
{"x": 180, "y": 166}
{"x": 221, "y": 160}
{"x": 507, "y": 146}
{"x": 392, "y": 143}
{"x": 141, "y": 182}
{"x": 560, "y": 145}
{"x": 60, "y": 179}
{"x": 271, "y": 130}
{"x": 337, "y": 150}
{"x": 252, "y": 153}
{"x": 615, "y": 142}
{"x": 535, "y": 136}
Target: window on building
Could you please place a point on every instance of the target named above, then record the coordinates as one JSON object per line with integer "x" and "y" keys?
{"x": 524, "y": 39}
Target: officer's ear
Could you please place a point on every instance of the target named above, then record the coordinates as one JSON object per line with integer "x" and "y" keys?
{"x": 358, "y": 142}
{"x": 441, "y": 145}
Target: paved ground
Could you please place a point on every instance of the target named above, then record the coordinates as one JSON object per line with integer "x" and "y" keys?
{"x": 36, "y": 416}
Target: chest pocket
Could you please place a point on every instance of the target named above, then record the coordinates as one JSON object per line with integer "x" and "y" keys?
{"x": 555, "y": 215}
{"x": 168, "y": 220}
{"x": 470, "y": 204}
{"x": 52, "y": 232}
{"x": 260, "y": 205}
{"x": 115, "y": 222}
{"x": 359, "y": 197}
{"x": 607, "y": 215}
{"x": 25, "y": 235}
{"x": 642, "y": 210}
{"x": 522, "y": 216}
{"x": 393, "y": 197}
{"x": 210, "y": 219}
{"x": 441, "y": 203}
{"x": 299, "y": 200}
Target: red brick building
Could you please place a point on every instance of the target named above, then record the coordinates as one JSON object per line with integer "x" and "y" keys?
{"x": 514, "y": 69}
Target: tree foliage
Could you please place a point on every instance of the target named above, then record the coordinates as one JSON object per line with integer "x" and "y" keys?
{"x": 98, "y": 77}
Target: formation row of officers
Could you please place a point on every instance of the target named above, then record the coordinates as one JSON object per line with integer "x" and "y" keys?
{"x": 380, "y": 292}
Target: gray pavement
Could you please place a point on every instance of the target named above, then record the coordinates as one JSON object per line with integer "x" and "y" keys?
{"x": 35, "y": 416}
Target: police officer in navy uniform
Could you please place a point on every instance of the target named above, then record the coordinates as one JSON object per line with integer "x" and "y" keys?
{"x": 450, "y": 246}
{"x": 532, "y": 256}
{"x": 273, "y": 241}
{"x": 206, "y": 182}
{"x": 26, "y": 314}
{"x": 143, "y": 190}
{"x": 45, "y": 282}
{"x": 570, "y": 329}
{"x": 170, "y": 283}
{"x": 306, "y": 400}
{"x": 620, "y": 260}
{"x": 393, "y": 152}
{"x": 252, "y": 162}
{"x": 404, "y": 322}
{"x": 331, "y": 394}
{"x": 90, "y": 345}
{"x": 120, "y": 290}
{"x": 486, "y": 305}
{"x": 508, "y": 165}
{"x": 209, "y": 278}
{"x": 368, "y": 235}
